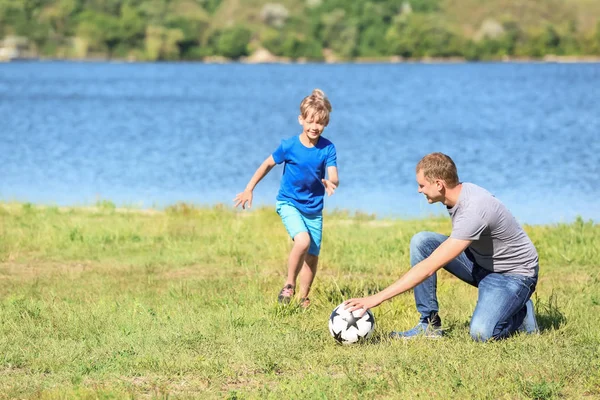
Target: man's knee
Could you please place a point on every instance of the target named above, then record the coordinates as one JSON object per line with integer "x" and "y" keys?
{"x": 424, "y": 242}
{"x": 481, "y": 330}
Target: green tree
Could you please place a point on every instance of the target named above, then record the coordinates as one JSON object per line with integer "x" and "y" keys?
{"x": 132, "y": 26}
{"x": 373, "y": 22}
{"x": 551, "y": 40}
{"x": 194, "y": 31}
{"x": 418, "y": 35}
{"x": 61, "y": 16}
{"x": 272, "y": 39}
{"x": 161, "y": 43}
{"x": 596, "y": 39}
{"x": 569, "y": 41}
{"x": 233, "y": 42}
{"x": 210, "y": 5}
{"x": 513, "y": 36}
{"x": 372, "y": 41}
{"x": 339, "y": 33}
{"x": 100, "y": 31}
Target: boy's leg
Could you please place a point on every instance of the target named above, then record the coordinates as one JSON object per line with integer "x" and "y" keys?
{"x": 314, "y": 224}
{"x": 294, "y": 224}
{"x": 297, "y": 257}
{"x": 295, "y": 261}
{"x": 307, "y": 274}
{"x": 501, "y": 305}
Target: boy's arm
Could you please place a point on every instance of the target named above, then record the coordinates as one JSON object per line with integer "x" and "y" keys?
{"x": 332, "y": 175}
{"x": 446, "y": 252}
{"x": 332, "y": 182}
{"x": 246, "y": 196}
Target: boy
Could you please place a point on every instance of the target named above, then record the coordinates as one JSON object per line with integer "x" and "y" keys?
{"x": 308, "y": 158}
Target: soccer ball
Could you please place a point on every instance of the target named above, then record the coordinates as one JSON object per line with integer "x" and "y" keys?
{"x": 347, "y": 328}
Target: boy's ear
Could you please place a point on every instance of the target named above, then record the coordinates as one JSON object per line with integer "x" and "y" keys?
{"x": 300, "y": 120}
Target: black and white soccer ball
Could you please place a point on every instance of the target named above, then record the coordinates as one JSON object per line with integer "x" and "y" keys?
{"x": 347, "y": 328}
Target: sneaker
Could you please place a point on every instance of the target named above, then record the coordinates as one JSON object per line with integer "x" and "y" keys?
{"x": 305, "y": 302}
{"x": 286, "y": 294}
{"x": 422, "y": 329}
{"x": 529, "y": 324}
{"x": 431, "y": 328}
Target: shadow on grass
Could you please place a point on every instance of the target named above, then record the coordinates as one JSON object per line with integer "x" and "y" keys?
{"x": 548, "y": 314}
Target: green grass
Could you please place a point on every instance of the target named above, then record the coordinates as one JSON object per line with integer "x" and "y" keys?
{"x": 108, "y": 303}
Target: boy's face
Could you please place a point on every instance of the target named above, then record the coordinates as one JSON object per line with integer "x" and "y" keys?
{"x": 312, "y": 126}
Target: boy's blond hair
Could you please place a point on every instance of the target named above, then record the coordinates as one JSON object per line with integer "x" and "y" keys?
{"x": 439, "y": 166}
{"x": 316, "y": 105}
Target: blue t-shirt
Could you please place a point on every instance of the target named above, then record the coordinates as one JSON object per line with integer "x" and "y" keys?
{"x": 302, "y": 172}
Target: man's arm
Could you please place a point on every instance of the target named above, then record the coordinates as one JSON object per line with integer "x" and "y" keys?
{"x": 446, "y": 252}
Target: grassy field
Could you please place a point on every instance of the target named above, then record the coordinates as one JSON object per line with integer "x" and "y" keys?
{"x": 109, "y": 303}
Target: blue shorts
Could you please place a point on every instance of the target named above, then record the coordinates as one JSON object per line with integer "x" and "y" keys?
{"x": 297, "y": 222}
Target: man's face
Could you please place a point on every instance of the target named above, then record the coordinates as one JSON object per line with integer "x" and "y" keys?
{"x": 431, "y": 190}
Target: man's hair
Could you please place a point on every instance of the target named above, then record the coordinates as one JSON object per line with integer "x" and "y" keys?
{"x": 439, "y": 166}
{"x": 316, "y": 105}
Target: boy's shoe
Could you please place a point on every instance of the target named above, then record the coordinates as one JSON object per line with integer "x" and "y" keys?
{"x": 305, "y": 302}
{"x": 286, "y": 294}
{"x": 529, "y": 324}
{"x": 422, "y": 329}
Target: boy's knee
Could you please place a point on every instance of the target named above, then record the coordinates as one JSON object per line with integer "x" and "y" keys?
{"x": 302, "y": 241}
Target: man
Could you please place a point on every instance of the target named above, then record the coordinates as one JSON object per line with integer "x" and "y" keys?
{"x": 487, "y": 249}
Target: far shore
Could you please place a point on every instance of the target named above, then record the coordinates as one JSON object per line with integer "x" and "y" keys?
{"x": 548, "y": 59}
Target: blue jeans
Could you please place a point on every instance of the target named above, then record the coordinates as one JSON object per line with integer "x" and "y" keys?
{"x": 501, "y": 299}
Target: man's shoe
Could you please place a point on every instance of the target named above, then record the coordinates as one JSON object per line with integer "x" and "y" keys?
{"x": 286, "y": 294}
{"x": 529, "y": 325}
{"x": 422, "y": 329}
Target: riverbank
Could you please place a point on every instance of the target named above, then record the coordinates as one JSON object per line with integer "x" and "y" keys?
{"x": 270, "y": 59}
{"x": 110, "y": 302}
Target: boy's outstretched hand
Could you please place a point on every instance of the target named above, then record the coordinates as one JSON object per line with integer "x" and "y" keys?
{"x": 329, "y": 186}
{"x": 243, "y": 198}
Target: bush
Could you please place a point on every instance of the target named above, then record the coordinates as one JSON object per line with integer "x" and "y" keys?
{"x": 233, "y": 42}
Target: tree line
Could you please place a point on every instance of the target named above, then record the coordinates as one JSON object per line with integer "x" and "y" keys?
{"x": 193, "y": 30}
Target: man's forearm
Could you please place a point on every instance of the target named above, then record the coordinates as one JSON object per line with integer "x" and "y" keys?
{"x": 409, "y": 280}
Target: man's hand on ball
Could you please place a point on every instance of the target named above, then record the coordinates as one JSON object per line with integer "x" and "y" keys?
{"x": 363, "y": 303}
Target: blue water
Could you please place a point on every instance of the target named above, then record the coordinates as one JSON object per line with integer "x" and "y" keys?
{"x": 150, "y": 135}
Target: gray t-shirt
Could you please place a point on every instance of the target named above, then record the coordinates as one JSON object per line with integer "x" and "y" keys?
{"x": 499, "y": 243}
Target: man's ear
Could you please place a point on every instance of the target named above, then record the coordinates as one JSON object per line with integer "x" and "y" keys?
{"x": 439, "y": 184}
